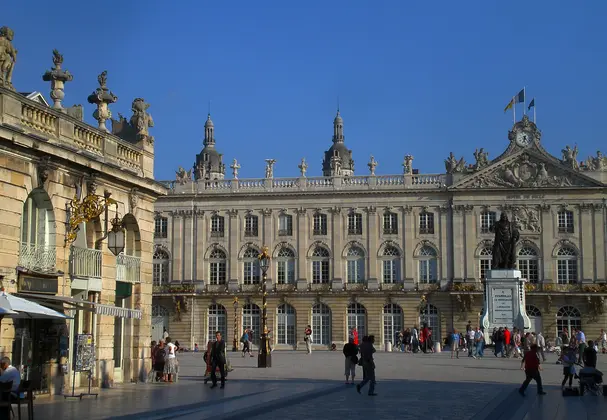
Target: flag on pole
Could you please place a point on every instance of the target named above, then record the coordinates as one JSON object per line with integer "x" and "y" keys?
{"x": 531, "y": 104}
{"x": 510, "y": 105}
{"x": 520, "y": 97}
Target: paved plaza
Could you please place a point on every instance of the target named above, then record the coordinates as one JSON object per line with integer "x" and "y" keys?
{"x": 410, "y": 386}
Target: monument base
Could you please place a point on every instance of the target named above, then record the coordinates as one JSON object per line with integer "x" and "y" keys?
{"x": 504, "y": 303}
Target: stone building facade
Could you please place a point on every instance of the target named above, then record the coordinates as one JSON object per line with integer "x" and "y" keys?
{"x": 62, "y": 182}
{"x": 380, "y": 252}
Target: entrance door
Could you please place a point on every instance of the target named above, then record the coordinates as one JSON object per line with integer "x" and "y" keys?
{"x": 158, "y": 325}
{"x": 535, "y": 316}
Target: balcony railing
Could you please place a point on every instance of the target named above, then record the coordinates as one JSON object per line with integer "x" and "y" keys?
{"x": 251, "y": 233}
{"x": 390, "y": 231}
{"x": 355, "y": 231}
{"x": 160, "y": 234}
{"x": 285, "y": 232}
{"x": 40, "y": 258}
{"x": 128, "y": 269}
{"x": 426, "y": 230}
{"x": 85, "y": 262}
{"x": 217, "y": 234}
{"x": 320, "y": 232}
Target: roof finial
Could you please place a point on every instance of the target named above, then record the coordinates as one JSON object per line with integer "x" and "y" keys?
{"x": 209, "y": 107}
{"x": 337, "y": 104}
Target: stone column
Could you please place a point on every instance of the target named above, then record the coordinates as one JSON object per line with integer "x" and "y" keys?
{"x": 301, "y": 238}
{"x": 546, "y": 245}
{"x": 599, "y": 241}
{"x": 459, "y": 243}
{"x": 233, "y": 243}
{"x": 201, "y": 245}
{"x": 337, "y": 234}
{"x": 587, "y": 243}
{"x": 372, "y": 235}
{"x": 408, "y": 245}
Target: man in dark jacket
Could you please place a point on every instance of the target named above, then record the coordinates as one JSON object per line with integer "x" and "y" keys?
{"x": 366, "y": 355}
{"x": 218, "y": 360}
{"x": 351, "y": 354}
{"x": 589, "y": 355}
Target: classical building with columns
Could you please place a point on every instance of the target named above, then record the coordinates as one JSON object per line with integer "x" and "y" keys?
{"x": 378, "y": 252}
{"x": 64, "y": 185}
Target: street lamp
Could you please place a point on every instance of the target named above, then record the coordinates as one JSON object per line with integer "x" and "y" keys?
{"x": 235, "y": 342}
{"x": 264, "y": 360}
{"x": 115, "y": 237}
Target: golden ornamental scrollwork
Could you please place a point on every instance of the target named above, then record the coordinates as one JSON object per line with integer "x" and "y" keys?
{"x": 84, "y": 211}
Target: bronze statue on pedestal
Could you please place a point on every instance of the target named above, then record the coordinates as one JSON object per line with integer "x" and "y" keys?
{"x": 504, "y": 246}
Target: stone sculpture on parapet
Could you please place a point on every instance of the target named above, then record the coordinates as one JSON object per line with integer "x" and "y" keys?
{"x": 135, "y": 129}
{"x": 8, "y": 57}
{"x": 57, "y": 76}
{"x": 504, "y": 245}
{"x": 102, "y": 97}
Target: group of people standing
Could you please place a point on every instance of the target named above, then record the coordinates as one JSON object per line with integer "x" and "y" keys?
{"x": 409, "y": 340}
{"x": 164, "y": 360}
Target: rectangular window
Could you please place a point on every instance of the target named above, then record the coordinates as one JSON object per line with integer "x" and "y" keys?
{"x": 426, "y": 223}
{"x": 320, "y": 224}
{"x": 355, "y": 224}
{"x": 285, "y": 225}
{"x": 355, "y": 271}
{"x": 251, "y": 272}
{"x": 217, "y": 226}
{"x": 161, "y": 227}
{"x": 286, "y": 272}
{"x": 484, "y": 266}
{"x": 487, "y": 221}
{"x": 428, "y": 271}
{"x": 567, "y": 271}
{"x": 217, "y": 272}
{"x": 391, "y": 271}
{"x": 320, "y": 272}
{"x": 565, "y": 221}
{"x": 529, "y": 270}
{"x": 251, "y": 226}
{"x": 390, "y": 224}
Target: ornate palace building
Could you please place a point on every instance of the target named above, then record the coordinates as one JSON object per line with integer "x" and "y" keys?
{"x": 378, "y": 252}
{"x": 63, "y": 185}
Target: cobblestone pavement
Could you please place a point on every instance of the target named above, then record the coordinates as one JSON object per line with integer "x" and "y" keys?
{"x": 409, "y": 386}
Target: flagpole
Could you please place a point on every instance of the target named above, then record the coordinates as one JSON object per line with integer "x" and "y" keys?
{"x": 514, "y": 109}
{"x": 534, "y": 111}
{"x": 524, "y": 99}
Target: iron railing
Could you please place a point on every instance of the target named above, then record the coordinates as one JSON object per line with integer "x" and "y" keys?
{"x": 128, "y": 269}
{"x": 40, "y": 258}
{"x": 85, "y": 262}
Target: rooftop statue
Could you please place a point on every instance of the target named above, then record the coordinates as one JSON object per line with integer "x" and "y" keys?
{"x": 452, "y": 165}
{"x": 8, "y": 57}
{"x": 136, "y": 129}
{"x": 504, "y": 246}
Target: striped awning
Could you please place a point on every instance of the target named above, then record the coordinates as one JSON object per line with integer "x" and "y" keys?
{"x": 115, "y": 311}
{"x": 80, "y": 304}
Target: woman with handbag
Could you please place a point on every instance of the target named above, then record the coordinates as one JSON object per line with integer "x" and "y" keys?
{"x": 351, "y": 355}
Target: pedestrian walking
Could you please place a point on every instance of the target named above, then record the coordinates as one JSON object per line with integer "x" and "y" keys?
{"x": 218, "y": 360}
{"x": 532, "y": 367}
{"x": 366, "y": 359}
{"x": 351, "y": 354}
{"x": 308, "y": 339}
{"x": 455, "y": 337}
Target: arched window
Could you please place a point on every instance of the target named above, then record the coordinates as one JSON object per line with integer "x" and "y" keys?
{"x": 321, "y": 324}
{"x": 285, "y": 266}
{"x": 528, "y": 264}
{"x": 37, "y": 252}
{"x": 217, "y": 266}
{"x": 568, "y": 319}
{"x": 357, "y": 319}
{"x": 159, "y": 310}
{"x": 217, "y": 321}
{"x": 286, "y": 323}
{"x": 355, "y": 269}
{"x": 250, "y": 267}
{"x": 320, "y": 265}
{"x": 428, "y": 315}
{"x": 393, "y": 322}
{"x": 484, "y": 262}
{"x": 251, "y": 319}
{"x": 567, "y": 269}
{"x": 160, "y": 274}
{"x": 535, "y": 317}
{"x": 390, "y": 264}
{"x": 428, "y": 265}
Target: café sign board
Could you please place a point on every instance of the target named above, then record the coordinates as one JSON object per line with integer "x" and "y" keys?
{"x": 39, "y": 285}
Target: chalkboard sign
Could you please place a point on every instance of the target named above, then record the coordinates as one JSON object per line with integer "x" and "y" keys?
{"x": 85, "y": 353}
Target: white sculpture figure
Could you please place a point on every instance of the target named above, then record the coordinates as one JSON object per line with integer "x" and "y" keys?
{"x": 235, "y": 167}
{"x": 372, "y": 165}
{"x": 270, "y": 168}
{"x": 303, "y": 167}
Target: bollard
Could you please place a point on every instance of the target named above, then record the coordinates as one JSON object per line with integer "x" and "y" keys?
{"x": 388, "y": 346}
{"x": 437, "y": 348}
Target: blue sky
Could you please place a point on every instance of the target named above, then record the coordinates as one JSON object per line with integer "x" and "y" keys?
{"x": 424, "y": 78}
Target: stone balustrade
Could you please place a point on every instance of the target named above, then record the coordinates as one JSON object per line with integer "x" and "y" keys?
{"x": 22, "y": 115}
{"x": 312, "y": 184}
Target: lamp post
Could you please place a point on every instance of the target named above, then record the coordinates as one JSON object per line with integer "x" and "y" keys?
{"x": 115, "y": 237}
{"x": 264, "y": 360}
{"x": 235, "y": 342}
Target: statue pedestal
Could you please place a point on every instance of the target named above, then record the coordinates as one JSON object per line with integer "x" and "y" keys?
{"x": 504, "y": 301}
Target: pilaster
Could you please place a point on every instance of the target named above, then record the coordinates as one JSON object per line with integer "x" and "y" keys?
{"x": 408, "y": 244}
{"x": 177, "y": 245}
{"x": 587, "y": 248}
{"x": 267, "y": 234}
{"x": 201, "y": 246}
{"x": 372, "y": 235}
{"x": 459, "y": 243}
{"x": 445, "y": 246}
{"x": 233, "y": 244}
{"x": 338, "y": 233}
{"x": 548, "y": 216}
{"x": 471, "y": 270}
{"x": 188, "y": 245}
{"x": 302, "y": 246}
{"x": 599, "y": 241}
